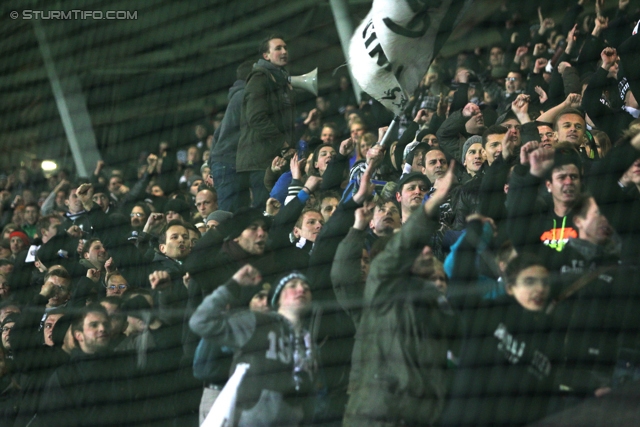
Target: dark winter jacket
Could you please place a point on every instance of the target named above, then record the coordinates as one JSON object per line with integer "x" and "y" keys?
{"x": 491, "y": 192}
{"x": 268, "y": 117}
{"x": 452, "y": 134}
{"x": 405, "y": 320}
{"x": 33, "y": 360}
{"x": 173, "y": 300}
{"x": 592, "y": 318}
{"x": 92, "y": 223}
{"x": 9, "y": 399}
{"x": 336, "y": 330}
{"x": 613, "y": 121}
{"x": 296, "y": 253}
{"x": 90, "y": 390}
{"x": 506, "y": 370}
{"x": 346, "y": 273}
{"x": 620, "y": 205}
{"x": 465, "y": 201}
{"x": 530, "y": 223}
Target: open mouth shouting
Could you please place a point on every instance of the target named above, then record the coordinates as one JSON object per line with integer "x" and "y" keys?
{"x": 538, "y": 300}
{"x": 569, "y": 191}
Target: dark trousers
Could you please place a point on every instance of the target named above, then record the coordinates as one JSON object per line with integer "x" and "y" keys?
{"x": 228, "y": 185}
{"x": 254, "y": 180}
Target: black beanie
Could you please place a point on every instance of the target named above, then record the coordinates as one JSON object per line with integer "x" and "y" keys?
{"x": 60, "y": 329}
{"x": 242, "y": 220}
{"x": 136, "y": 306}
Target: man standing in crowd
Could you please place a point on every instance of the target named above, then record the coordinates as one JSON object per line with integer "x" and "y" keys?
{"x": 458, "y": 127}
{"x": 403, "y": 320}
{"x": 31, "y": 216}
{"x": 139, "y": 216}
{"x": 385, "y": 220}
{"x": 55, "y": 292}
{"x": 223, "y": 154}
{"x": 94, "y": 389}
{"x": 267, "y": 120}
{"x": 218, "y": 255}
{"x": 166, "y": 280}
{"x": 410, "y": 193}
{"x": 492, "y": 142}
{"x": 548, "y": 137}
{"x": 435, "y": 166}
{"x": 101, "y": 198}
{"x": 513, "y": 86}
{"x": 570, "y": 127}
{"x": 173, "y": 248}
{"x": 529, "y": 224}
{"x": 206, "y": 202}
{"x": 83, "y": 212}
{"x": 279, "y": 347}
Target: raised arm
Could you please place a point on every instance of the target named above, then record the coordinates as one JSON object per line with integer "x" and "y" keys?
{"x": 523, "y": 190}
{"x": 400, "y": 253}
{"x": 347, "y": 268}
{"x": 218, "y": 318}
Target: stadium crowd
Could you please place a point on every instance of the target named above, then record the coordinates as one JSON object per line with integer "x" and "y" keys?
{"x": 482, "y": 269}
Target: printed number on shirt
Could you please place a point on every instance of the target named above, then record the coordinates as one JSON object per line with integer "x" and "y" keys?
{"x": 279, "y": 348}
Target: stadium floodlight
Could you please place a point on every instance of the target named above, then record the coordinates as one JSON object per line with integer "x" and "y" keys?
{"x": 49, "y": 165}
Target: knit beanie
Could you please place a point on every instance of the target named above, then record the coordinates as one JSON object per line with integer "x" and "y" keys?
{"x": 275, "y": 296}
{"x": 60, "y": 329}
{"x": 11, "y": 318}
{"x": 242, "y": 220}
{"x": 137, "y": 307}
{"x": 194, "y": 178}
{"x": 178, "y": 206}
{"x": 21, "y": 235}
{"x": 219, "y": 216}
{"x": 475, "y": 139}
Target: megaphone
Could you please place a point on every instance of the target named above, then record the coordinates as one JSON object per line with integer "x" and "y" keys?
{"x": 308, "y": 82}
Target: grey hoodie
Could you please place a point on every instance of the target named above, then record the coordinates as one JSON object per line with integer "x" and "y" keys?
{"x": 226, "y": 137}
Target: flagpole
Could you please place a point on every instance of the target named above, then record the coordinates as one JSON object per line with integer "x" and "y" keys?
{"x": 393, "y": 126}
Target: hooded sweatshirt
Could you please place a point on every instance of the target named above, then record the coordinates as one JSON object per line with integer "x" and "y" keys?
{"x": 227, "y": 135}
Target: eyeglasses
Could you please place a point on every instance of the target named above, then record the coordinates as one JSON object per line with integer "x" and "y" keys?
{"x": 137, "y": 214}
{"x": 120, "y": 287}
{"x": 7, "y": 329}
{"x": 511, "y": 79}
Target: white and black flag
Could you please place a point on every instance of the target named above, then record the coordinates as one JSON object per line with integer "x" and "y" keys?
{"x": 393, "y": 47}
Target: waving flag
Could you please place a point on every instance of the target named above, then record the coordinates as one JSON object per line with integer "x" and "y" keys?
{"x": 393, "y": 47}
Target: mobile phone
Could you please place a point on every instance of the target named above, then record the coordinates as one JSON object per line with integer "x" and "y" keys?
{"x": 303, "y": 147}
